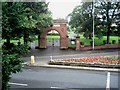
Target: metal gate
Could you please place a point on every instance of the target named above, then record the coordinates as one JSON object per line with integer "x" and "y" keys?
{"x": 53, "y": 42}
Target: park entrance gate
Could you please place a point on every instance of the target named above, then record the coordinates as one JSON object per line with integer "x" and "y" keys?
{"x": 53, "y": 39}
{"x": 61, "y": 29}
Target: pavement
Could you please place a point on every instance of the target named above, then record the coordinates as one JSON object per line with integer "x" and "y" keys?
{"x": 42, "y": 56}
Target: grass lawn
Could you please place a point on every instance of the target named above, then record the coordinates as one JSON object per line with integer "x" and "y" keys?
{"x": 13, "y": 41}
{"x": 82, "y": 39}
{"x": 98, "y": 41}
{"x": 53, "y": 37}
{"x": 71, "y": 45}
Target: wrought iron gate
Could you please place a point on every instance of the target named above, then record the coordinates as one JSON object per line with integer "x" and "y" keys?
{"x": 53, "y": 42}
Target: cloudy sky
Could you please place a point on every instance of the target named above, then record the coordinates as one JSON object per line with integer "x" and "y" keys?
{"x": 61, "y": 8}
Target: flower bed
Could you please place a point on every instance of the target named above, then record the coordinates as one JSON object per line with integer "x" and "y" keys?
{"x": 97, "y": 61}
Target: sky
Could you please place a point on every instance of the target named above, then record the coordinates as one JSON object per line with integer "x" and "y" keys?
{"x": 61, "y": 8}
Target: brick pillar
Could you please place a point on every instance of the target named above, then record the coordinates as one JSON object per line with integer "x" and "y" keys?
{"x": 63, "y": 43}
{"x": 77, "y": 43}
{"x": 67, "y": 41}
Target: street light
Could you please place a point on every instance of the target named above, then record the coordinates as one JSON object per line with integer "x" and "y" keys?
{"x": 51, "y": 44}
{"x": 93, "y": 25}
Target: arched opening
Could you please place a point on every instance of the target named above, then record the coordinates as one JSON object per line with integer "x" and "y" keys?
{"x": 62, "y": 33}
{"x": 53, "y": 39}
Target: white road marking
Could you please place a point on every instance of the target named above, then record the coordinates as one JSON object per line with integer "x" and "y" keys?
{"x": 20, "y": 84}
{"x": 54, "y": 87}
{"x": 108, "y": 81}
{"x": 62, "y": 88}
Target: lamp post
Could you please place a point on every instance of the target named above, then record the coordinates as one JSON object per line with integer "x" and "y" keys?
{"x": 93, "y": 25}
{"x": 52, "y": 43}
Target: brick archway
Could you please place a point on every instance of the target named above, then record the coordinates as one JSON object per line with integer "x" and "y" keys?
{"x": 62, "y": 30}
{"x": 62, "y": 33}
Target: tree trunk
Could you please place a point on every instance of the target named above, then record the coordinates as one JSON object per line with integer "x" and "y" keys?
{"x": 38, "y": 40}
{"x": 7, "y": 44}
{"x": 108, "y": 34}
{"x": 25, "y": 37}
{"x": 90, "y": 36}
{"x": 8, "y": 41}
{"x": 108, "y": 23}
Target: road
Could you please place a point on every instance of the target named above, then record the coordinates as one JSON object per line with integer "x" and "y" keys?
{"x": 38, "y": 77}
{"x": 45, "y": 59}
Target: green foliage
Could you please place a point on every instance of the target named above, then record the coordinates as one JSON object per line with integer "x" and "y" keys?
{"x": 35, "y": 17}
{"x": 21, "y": 50}
{"x": 81, "y": 18}
{"x": 22, "y": 19}
{"x": 10, "y": 18}
{"x": 114, "y": 58}
{"x": 105, "y": 14}
{"x": 108, "y": 14}
{"x": 75, "y": 17}
{"x": 16, "y": 49}
{"x": 11, "y": 63}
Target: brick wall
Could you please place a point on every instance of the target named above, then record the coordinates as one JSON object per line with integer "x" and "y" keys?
{"x": 101, "y": 47}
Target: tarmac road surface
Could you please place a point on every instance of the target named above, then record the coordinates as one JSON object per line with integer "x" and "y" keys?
{"x": 38, "y": 77}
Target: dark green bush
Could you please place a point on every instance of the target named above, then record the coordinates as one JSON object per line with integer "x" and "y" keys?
{"x": 82, "y": 43}
{"x": 16, "y": 49}
{"x": 10, "y": 64}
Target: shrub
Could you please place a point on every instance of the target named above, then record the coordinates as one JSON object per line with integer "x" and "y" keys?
{"x": 82, "y": 43}
{"x": 16, "y": 49}
{"x": 114, "y": 58}
{"x": 10, "y": 64}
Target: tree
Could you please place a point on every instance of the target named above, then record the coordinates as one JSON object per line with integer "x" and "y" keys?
{"x": 21, "y": 19}
{"x": 107, "y": 13}
{"x": 82, "y": 19}
{"x": 36, "y": 17}
{"x": 10, "y": 19}
{"x": 75, "y": 18}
